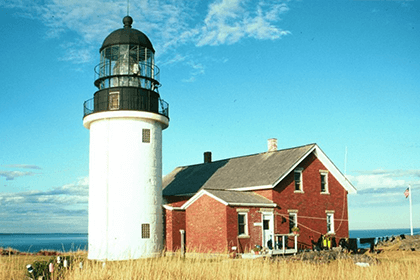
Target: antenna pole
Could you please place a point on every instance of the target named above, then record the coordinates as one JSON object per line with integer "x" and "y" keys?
{"x": 128, "y": 7}
{"x": 411, "y": 210}
{"x": 345, "y": 162}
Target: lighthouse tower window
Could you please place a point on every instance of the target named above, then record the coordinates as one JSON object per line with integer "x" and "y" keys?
{"x": 145, "y": 231}
{"x": 114, "y": 100}
{"x": 146, "y": 135}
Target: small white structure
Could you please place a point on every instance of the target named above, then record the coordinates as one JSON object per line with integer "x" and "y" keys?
{"x": 125, "y": 118}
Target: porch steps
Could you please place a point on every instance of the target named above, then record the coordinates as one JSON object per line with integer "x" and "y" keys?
{"x": 270, "y": 253}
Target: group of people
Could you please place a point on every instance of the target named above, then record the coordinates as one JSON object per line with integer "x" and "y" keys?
{"x": 350, "y": 244}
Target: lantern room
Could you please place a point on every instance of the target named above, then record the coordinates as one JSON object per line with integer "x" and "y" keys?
{"x": 126, "y": 76}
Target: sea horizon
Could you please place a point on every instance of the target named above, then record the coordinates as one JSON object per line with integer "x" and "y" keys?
{"x": 355, "y": 229}
{"x": 69, "y": 242}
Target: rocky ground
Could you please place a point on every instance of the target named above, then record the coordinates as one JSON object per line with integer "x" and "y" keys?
{"x": 408, "y": 243}
{"x": 327, "y": 256}
{"x": 363, "y": 256}
{"x": 12, "y": 252}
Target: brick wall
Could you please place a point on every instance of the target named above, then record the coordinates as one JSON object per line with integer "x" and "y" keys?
{"x": 311, "y": 204}
{"x": 206, "y": 226}
{"x": 243, "y": 243}
{"x": 174, "y": 221}
{"x": 212, "y": 226}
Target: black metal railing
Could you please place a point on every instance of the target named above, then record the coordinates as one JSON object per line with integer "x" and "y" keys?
{"x": 91, "y": 106}
{"x": 142, "y": 70}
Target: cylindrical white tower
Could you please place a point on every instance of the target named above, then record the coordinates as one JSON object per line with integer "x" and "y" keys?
{"x": 125, "y": 118}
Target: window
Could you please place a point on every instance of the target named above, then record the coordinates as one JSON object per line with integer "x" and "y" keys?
{"x": 266, "y": 224}
{"x": 298, "y": 180}
{"x": 324, "y": 181}
{"x": 330, "y": 222}
{"x": 242, "y": 224}
{"x": 114, "y": 101}
{"x": 145, "y": 231}
{"x": 146, "y": 135}
{"x": 292, "y": 221}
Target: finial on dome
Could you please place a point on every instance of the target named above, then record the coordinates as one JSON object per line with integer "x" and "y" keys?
{"x": 127, "y": 20}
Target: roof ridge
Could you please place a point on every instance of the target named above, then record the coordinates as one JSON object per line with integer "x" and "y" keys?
{"x": 312, "y": 144}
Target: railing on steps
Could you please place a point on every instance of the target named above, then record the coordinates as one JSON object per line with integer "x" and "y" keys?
{"x": 280, "y": 243}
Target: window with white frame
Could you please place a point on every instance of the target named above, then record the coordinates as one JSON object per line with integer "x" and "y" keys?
{"x": 324, "y": 181}
{"x": 292, "y": 220}
{"x": 242, "y": 223}
{"x": 298, "y": 180}
{"x": 330, "y": 222}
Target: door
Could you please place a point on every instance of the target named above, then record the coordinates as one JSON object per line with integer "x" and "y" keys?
{"x": 268, "y": 232}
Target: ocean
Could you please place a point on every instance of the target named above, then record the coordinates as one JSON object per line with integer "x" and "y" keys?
{"x": 31, "y": 243}
{"x": 67, "y": 242}
{"x": 366, "y": 233}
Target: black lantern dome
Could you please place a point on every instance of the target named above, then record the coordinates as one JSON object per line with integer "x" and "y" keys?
{"x": 127, "y": 35}
{"x": 127, "y": 77}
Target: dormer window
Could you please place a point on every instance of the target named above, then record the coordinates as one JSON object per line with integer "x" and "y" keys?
{"x": 298, "y": 180}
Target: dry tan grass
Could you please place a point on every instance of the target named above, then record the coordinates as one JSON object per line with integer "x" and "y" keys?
{"x": 221, "y": 268}
{"x": 14, "y": 267}
{"x": 393, "y": 265}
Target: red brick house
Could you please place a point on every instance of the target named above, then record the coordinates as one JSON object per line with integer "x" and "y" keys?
{"x": 246, "y": 201}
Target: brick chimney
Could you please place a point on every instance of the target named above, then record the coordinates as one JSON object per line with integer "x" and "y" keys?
{"x": 207, "y": 157}
{"x": 272, "y": 144}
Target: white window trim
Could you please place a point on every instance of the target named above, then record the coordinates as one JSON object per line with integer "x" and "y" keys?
{"x": 298, "y": 170}
{"x": 325, "y": 173}
{"x": 245, "y": 234}
{"x": 330, "y": 214}
{"x": 295, "y": 214}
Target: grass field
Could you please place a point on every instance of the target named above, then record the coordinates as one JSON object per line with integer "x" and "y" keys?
{"x": 392, "y": 265}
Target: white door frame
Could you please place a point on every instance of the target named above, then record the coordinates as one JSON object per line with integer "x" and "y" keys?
{"x": 266, "y": 233}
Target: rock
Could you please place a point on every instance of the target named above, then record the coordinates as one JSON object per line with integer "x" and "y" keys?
{"x": 327, "y": 256}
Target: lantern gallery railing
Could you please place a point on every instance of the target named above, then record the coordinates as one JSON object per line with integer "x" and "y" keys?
{"x": 158, "y": 106}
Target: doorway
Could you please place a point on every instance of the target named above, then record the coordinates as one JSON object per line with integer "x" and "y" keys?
{"x": 268, "y": 229}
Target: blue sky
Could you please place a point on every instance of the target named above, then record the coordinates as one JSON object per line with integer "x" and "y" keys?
{"x": 342, "y": 74}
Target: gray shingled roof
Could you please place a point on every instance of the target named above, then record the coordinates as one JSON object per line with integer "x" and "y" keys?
{"x": 234, "y": 173}
{"x": 235, "y": 197}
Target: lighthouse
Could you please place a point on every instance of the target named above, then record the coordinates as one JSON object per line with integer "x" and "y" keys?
{"x": 125, "y": 117}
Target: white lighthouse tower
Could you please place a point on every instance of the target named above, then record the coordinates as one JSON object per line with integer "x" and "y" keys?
{"x": 125, "y": 117}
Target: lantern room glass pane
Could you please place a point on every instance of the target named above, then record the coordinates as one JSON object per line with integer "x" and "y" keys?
{"x": 127, "y": 65}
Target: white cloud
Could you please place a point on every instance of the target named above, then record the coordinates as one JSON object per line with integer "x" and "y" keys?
{"x": 11, "y": 175}
{"x": 382, "y": 187}
{"x": 25, "y": 166}
{"x": 63, "y": 209}
{"x": 228, "y": 21}
{"x": 172, "y": 23}
{"x": 384, "y": 179}
{"x": 61, "y": 199}
{"x": 176, "y": 59}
